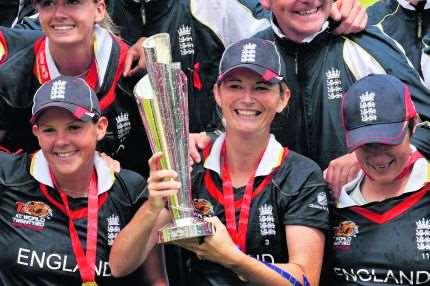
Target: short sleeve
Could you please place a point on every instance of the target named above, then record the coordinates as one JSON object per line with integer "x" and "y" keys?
{"x": 133, "y": 186}
{"x": 304, "y": 194}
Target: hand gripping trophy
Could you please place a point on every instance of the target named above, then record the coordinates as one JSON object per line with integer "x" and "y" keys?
{"x": 163, "y": 104}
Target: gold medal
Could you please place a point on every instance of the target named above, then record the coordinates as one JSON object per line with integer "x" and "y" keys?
{"x": 92, "y": 283}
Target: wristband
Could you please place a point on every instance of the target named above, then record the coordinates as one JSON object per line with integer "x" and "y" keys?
{"x": 287, "y": 275}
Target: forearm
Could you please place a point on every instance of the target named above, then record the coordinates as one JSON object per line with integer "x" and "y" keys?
{"x": 256, "y": 272}
{"x": 154, "y": 267}
{"x": 131, "y": 246}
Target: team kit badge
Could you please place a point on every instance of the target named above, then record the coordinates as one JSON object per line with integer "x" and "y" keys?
{"x": 32, "y": 215}
{"x": 344, "y": 234}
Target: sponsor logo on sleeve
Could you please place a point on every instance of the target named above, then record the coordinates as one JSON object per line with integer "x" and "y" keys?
{"x": 321, "y": 202}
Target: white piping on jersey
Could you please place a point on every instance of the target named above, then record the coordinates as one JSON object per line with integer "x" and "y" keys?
{"x": 359, "y": 61}
{"x": 425, "y": 67}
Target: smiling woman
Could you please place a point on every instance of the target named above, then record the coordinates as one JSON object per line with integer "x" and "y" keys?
{"x": 62, "y": 207}
{"x": 389, "y": 197}
{"x": 74, "y": 43}
{"x": 70, "y": 23}
{"x": 270, "y": 203}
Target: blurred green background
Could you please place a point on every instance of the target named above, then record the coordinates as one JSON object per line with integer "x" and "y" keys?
{"x": 367, "y": 2}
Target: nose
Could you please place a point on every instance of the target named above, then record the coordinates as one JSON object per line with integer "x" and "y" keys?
{"x": 61, "y": 139}
{"x": 60, "y": 9}
{"x": 248, "y": 96}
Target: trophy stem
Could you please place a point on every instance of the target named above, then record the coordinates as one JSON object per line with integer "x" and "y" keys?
{"x": 163, "y": 104}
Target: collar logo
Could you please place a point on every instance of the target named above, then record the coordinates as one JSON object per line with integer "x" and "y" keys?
{"x": 368, "y": 107}
{"x": 248, "y": 53}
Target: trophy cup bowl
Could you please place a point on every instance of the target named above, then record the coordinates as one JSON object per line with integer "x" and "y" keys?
{"x": 162, "y": 99}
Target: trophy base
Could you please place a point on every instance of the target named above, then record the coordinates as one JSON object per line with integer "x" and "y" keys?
{"x": 183, "y": 229}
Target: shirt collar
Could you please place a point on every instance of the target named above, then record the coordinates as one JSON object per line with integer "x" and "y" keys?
{"x": 39, "y": 170}
{"x": 308, "y": 39}
{"x": 271, "y": 159}
{"x": 419, "y": 177}
{"x": 103, "y": 43}
{"x": 405, "y": 4}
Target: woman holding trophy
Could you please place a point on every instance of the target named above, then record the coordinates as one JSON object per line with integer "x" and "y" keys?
{"x": 268, "y": 203}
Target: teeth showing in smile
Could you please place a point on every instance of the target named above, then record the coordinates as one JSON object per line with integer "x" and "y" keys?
{"x": 247, "y": 112}
{"x": 65, "y": 154}
{"x": 62, "y": 28}
{"x": 382, "y": 166}
{"x": 308, "y": 12}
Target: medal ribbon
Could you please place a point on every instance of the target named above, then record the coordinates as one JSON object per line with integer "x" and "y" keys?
{"x": 238, "y": 234}
{"x": 86, "y": 263}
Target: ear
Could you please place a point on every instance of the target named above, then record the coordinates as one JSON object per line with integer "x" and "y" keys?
{"x": 285, "y": 98}
{"x": 100, "y": 11}
{"x": 101, "y": 127}
{"x": 217, "y": 95}
{"x": 265, "y": 4}
{"x": 35, "y": 129}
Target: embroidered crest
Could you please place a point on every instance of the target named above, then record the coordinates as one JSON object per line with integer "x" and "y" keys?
{"x": 186, "y": 45}
{"x": 248, "y": 53}
{"x": 58, "y": 89}
{"x": 113, "y": 228}
{"x": 423, "y": 234}
{"x": 123, "y": 125}
{"x": 343, "y": 234}
{"x": 368, "y": 107}
{"x": 32, "y": 214}
{"x": 266, "y": 219}
{"x": 334, "y": 84}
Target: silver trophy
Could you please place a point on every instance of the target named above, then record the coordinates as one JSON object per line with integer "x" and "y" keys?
{"x": 163, "y": 104}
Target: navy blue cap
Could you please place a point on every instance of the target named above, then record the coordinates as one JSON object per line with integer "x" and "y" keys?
{"x": 260, "y": 56}
{"x": 70, "y": 93}
{"x": 376, "y": 109}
